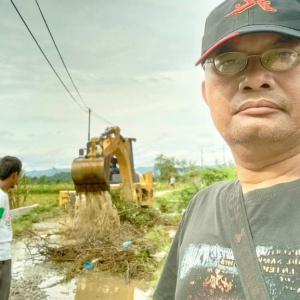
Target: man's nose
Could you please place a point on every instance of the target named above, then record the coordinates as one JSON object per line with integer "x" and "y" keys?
{"x": 256, "y": 77}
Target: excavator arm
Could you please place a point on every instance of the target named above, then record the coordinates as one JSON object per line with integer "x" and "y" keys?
{"x": 91, "y": 173}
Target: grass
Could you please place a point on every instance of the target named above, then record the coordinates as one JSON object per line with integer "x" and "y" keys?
{"x": 48, "y": 208}
{"x": 161, "y": 186}
{"x": 148, "y": 223}
{"x": 159, "y": 238}
{"x": 50, "y": 188}
{"x": 176, "y": 201}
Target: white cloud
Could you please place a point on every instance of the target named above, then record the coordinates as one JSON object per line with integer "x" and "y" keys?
{"x": 133, "y": 63}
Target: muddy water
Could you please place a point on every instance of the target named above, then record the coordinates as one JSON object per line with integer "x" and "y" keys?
{"x": 34, "y": 279}
{"x": 99, "y": 286}
{"x": 38, "y": 280}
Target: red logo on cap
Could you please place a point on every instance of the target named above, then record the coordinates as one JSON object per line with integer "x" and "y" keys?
{"x": 265, "y": 5}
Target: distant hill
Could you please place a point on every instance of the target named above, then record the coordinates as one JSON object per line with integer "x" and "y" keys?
{"x": 142, "y": 170}
{"x": 48, "y": 172}
{"x": 54, "y": 171}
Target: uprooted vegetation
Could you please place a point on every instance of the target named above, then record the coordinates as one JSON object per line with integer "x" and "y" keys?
{"x": 140, "y": 226}
{"x": 146, "y": 228}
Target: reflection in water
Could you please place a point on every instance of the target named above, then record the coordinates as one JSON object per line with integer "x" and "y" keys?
{"x": 93, "y": 287}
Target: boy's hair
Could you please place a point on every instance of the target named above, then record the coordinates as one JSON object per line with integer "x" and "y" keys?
{"x": 9, "y": 165}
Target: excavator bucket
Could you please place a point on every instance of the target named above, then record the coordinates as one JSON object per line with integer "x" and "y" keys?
{"x": 91, "y": 174}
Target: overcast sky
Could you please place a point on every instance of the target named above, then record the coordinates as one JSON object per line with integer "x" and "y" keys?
{"x": 133, "y": 64}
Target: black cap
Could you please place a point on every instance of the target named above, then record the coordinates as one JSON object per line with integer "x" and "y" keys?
{"x": 237, "y": 17}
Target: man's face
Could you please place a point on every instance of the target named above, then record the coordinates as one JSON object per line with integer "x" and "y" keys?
{"x": 14, "y": 179}
{"x": 255, "y": 105}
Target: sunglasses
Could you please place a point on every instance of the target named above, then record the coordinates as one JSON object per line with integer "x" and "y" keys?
{"x": 274, "y": 60}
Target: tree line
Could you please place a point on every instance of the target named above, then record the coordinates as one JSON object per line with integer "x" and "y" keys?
{"x": 56, "y": 178}
{"x": 164, "y": 168}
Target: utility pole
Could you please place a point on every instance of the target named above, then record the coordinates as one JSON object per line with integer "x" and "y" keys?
{"x": 89, "y": 130}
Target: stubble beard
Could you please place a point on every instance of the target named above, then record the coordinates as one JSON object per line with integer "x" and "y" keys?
{"x": 284, "y": 135}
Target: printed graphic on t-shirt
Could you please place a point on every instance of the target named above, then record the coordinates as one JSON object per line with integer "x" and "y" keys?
{"x": 210, "y": 272}
{"x": 1, "y": 212}
{"x": 8, "y": 222}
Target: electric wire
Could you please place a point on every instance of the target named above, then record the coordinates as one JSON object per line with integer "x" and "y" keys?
{"x": 62, "y": 60}
{"x": 83, "y": 108}
{"x": 97, "y": 116}
{"x": 86, "y": 109}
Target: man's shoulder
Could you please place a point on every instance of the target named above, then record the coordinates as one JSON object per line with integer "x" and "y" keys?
{"x": 209, "y": 207}
{"x": 212, "y": 195}
{"x": 215, "y": 193}
{"x": 217, "y": 188}
{"x": 3, "y": 195}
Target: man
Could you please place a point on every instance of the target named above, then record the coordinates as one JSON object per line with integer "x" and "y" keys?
{"x": 172, "y": 181}
{"x": 113, "y": 169}
{"x": 240, "y": 239}
{"x": 10, "y": 168}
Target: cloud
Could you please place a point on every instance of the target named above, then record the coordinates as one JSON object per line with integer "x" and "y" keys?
{"x": 133, "y": 63}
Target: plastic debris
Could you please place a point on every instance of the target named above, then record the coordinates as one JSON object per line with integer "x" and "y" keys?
{"x": 88, "y": 265}
{"x": 126, "y": 244}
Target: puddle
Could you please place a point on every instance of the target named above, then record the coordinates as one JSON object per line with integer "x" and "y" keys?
{"x": 38, "y": 280}
{"x": 60, "y": 291}
{"x": 21, "y": 259}
{"x": 32, "y": 278}
{"x": 98, "y": 286}
{"x": 35, "y": 279}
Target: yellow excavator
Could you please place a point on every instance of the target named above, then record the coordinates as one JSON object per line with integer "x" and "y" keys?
{"x": 98, "y": 169}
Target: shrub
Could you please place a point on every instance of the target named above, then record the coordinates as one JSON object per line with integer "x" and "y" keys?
{"x": 19, "y": 195}
{"x": 212, "y": 175}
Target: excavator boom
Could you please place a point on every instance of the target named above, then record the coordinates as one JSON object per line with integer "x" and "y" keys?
{"x": 91, "y": 173}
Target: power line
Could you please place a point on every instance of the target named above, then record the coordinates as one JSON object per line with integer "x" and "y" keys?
{"x": 91, "y": 112}
{"x": 59, "y": 53}
{"x": 97, "y": 116}
{"x": 47, "y": 58}
{"x": 85, "y": 107}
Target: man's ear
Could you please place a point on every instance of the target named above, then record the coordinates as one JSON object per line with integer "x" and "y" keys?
{"x": 203, "y": 90}
{"x": 14, "y": 175}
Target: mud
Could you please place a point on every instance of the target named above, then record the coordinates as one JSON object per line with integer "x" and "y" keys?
{"x": 100, "y": 286}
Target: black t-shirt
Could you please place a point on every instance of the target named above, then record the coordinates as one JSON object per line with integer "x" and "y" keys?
{"x": 201, "y": 265}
